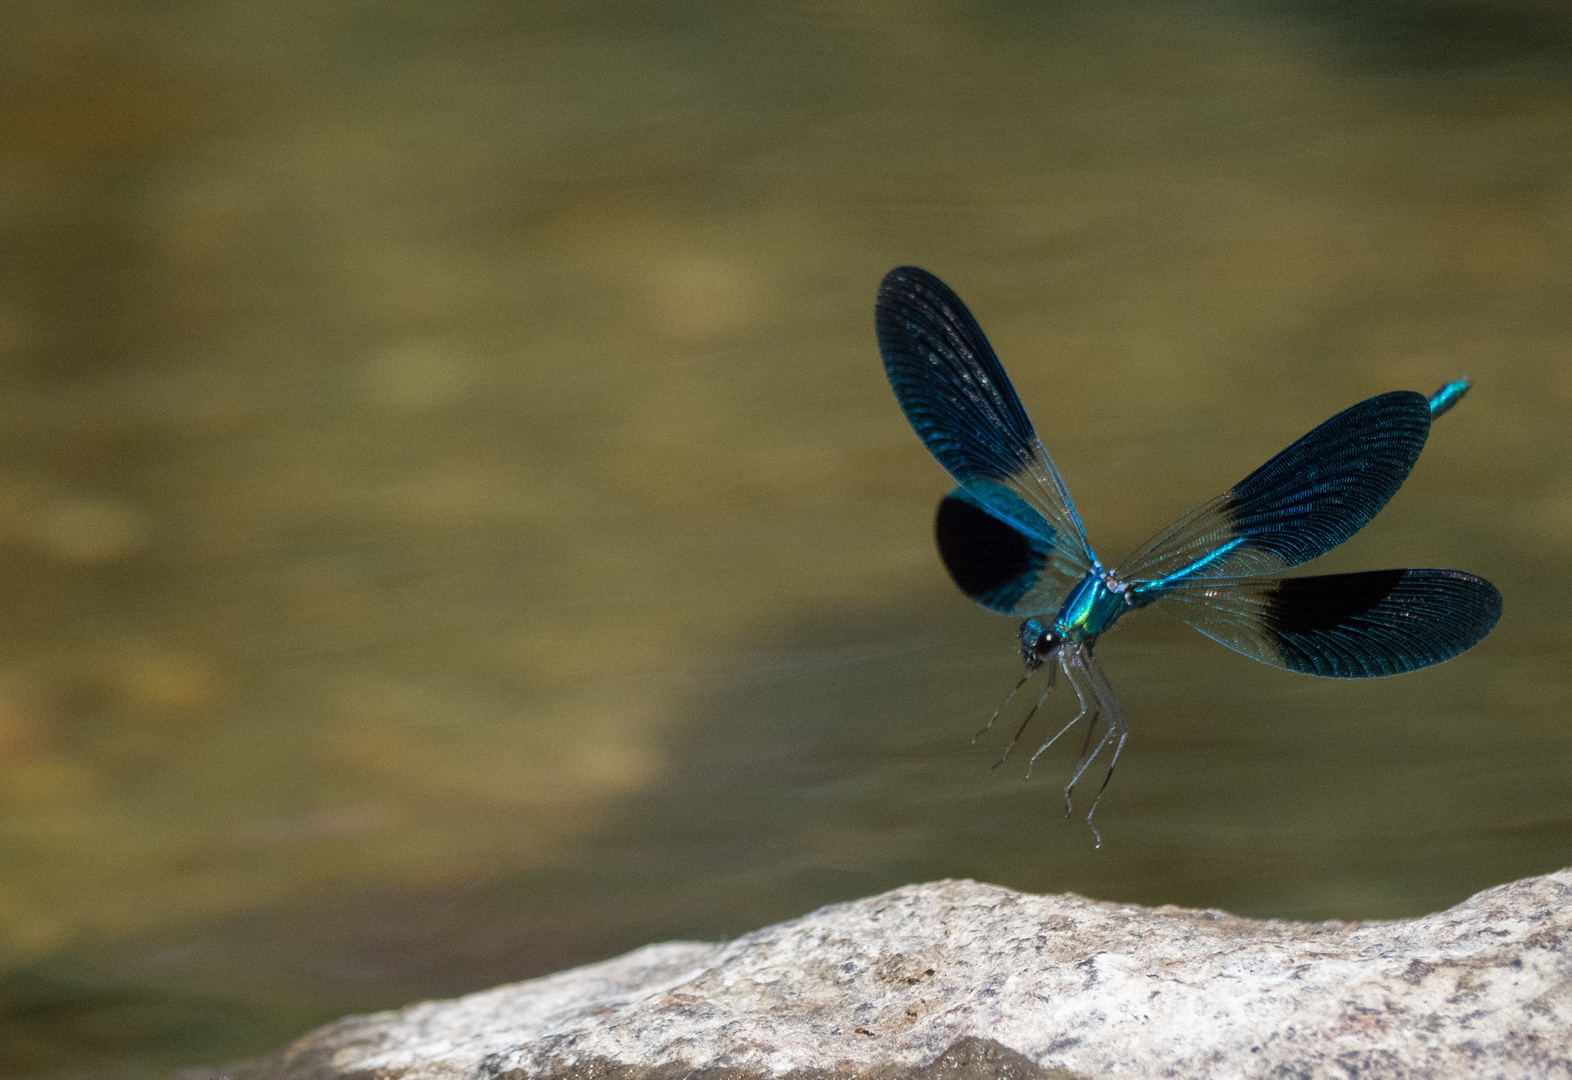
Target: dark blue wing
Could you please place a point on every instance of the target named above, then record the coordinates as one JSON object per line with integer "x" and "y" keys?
{"x": 1009, "y": 535}
{"x": 1346, "y": 626}
{"x": 1301, "y": 504}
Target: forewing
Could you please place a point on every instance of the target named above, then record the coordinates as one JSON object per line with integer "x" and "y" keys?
{"x": 960, "y": 402}
{"x": 1301, "y": 504}
{"x": 1345, "y": 626}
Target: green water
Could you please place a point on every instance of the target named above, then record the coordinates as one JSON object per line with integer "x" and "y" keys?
{"x": 453, "y": 523}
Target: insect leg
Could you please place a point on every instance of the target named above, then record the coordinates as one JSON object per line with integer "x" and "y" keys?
{"x": 1097, "y": 714}
{"x": 1007, "y": 699}
{"x": 1108, "y": 704}
{"x": 1080, "y": 696}
{"x": 1033, "y": 712}
{"x": 1022, "y": 729}
{"x": 1081, "y": 768}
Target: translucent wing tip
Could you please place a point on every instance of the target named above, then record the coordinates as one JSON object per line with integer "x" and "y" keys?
{"x": 1449, "y": 395}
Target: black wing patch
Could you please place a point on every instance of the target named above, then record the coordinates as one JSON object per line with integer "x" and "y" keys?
{"x": 1345, "y": 626}
{"x": 991, "y": 560}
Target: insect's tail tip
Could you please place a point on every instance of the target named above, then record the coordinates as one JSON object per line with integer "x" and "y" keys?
{"x": 1449, "y": 395}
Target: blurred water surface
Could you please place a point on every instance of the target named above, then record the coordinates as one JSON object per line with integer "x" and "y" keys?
{"x": 453, "y": 523}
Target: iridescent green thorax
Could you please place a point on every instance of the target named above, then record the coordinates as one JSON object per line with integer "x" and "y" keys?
{"x": 1092, "y": 606}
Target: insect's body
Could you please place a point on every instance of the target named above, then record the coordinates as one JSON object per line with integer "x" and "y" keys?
{"x": 1012, "y": 540}
{"x": 1093, "y": 606}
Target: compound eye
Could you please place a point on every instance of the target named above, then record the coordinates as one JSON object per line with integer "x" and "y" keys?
{"x": 1037, "y": 641}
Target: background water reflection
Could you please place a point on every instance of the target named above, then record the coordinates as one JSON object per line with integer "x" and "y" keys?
{"x": 455, "y": 524}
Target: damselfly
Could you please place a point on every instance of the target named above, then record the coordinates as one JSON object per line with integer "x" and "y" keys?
{"x": 1012, "y": 540}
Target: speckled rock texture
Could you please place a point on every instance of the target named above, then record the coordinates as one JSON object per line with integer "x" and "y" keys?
{"x": 965, "y": 981}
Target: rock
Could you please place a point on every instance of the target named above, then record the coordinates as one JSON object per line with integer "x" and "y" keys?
{"x": 960, "y": 980}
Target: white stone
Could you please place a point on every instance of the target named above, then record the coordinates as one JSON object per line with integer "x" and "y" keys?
{"x": 962, "y": 980}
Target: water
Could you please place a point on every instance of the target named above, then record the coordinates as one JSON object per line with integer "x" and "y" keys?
{"x": 457, "y": 527}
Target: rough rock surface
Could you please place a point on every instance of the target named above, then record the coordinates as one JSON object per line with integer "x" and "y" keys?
{"x": 960, "y": 980}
